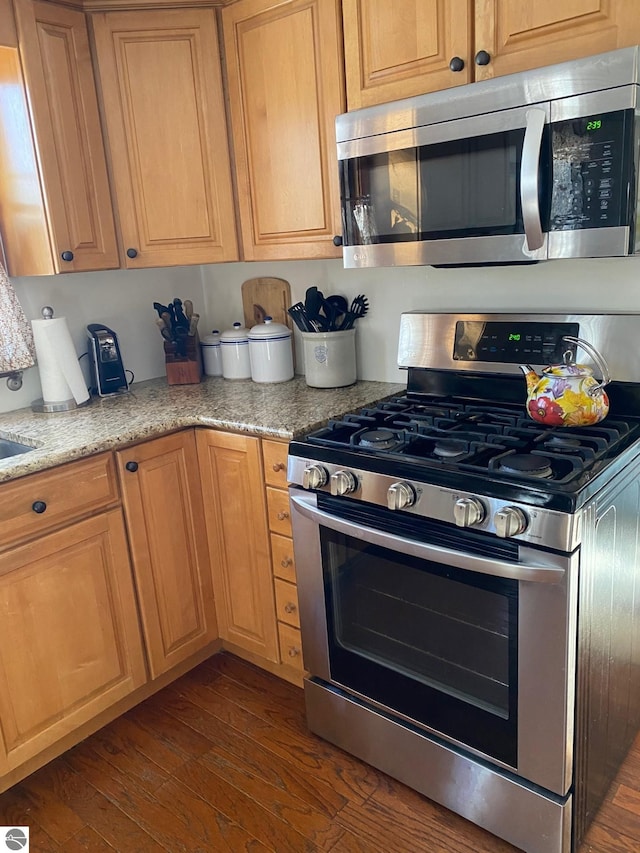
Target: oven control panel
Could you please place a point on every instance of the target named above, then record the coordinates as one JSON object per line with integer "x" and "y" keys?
{"x": 512, "y": 342}
{"x": 506, "y": 519}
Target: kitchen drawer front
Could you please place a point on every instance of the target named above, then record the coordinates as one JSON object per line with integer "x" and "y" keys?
{"x": 290, "y": 646}
{"x": 287, "y": 603}
{"x": 278, "y": 511}
{"x": 274, "y": 459}
{"x": 41, "y": 502}
{"x": 282, "y": 555}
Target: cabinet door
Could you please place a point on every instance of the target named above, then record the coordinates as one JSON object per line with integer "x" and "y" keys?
{"x": 233, "y": 488}
{"x": 399, "y": 48}
{"x": 54, "y": 49}
{"x": 165, "y": 521}
{"x": 70, "y": 644}
{"x": 519, "y": 36}
{"x": 284, "y": 67}
{"x": 161, "y": 85}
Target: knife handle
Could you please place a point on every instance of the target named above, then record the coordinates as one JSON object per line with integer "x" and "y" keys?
{"x": 188, "y": 308}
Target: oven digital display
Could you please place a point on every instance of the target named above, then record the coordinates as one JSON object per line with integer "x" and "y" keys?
{"x": 512, "y": 343}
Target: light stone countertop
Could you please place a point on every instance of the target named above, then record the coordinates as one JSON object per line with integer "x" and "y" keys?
{"x": 153, "y": 408}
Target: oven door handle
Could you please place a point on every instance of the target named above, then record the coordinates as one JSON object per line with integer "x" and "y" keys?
{"x": 536, "y": 566}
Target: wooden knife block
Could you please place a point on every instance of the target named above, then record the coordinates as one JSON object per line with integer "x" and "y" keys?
{"x": 183, "y": 369}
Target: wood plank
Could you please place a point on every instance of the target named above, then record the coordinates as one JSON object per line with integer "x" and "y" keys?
{"x": 208, "y": 764}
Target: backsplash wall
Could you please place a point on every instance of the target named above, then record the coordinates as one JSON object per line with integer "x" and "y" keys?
{"x": 123, "y": 300}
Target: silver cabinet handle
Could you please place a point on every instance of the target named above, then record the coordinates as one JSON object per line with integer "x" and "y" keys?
{"x": 529, "y": 178}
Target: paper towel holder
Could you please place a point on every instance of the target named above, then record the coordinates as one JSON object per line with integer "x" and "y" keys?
{"x": 41, "y": 405}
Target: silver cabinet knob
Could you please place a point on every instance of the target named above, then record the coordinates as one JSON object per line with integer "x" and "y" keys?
{"x": 314, "y": 476}
{"x": 468, "y": 512}
{"x": 400, "y": 496}
{"x": 342, "y": 483}
{"x": 510, "y": 521}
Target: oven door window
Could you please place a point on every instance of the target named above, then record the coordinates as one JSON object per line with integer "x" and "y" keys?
{"x": 468, "y": 187}
{"x": 436, "y": 644}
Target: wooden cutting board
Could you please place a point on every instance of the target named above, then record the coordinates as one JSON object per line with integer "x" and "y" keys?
{"x": 266, "y": 297}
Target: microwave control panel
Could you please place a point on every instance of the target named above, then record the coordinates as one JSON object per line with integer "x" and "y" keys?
{"x": 592, "y": 163}
{"x": 513, "y": 343}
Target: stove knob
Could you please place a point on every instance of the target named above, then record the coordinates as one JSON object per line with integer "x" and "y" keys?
{"x": 400, "y": 496}
{"x": 510, "y": 521}
{"x": 314, "y": 476}
{"x": 343, "y": 483}
{"x": 468, "y": 512}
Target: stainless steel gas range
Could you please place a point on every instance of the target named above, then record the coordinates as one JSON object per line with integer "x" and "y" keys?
{"x": 468, "y": 577}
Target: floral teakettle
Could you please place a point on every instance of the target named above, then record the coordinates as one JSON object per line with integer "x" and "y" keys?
{"x": 568, "y": 394}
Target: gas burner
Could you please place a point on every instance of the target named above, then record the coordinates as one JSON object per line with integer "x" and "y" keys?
{"x": 526, "y": 464}
{"x": 449, "y": 449}
{"x": 378, "y": 439}
{"x": 562, "y": 442}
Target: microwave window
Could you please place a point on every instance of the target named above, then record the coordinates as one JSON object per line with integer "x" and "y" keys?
{"x": 464, "y": 187}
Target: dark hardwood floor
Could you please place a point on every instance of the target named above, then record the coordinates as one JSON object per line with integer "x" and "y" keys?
{"x": 222, "y": 761}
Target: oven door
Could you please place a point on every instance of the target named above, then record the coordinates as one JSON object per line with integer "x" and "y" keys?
{"x": 471, "y": 190}
{"x": 478, "y": 650}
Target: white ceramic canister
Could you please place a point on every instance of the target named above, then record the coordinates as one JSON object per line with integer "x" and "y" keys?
{"x": 211, "y": 354}
{"x": 234, "y": 348}
{"x": 329, "y": 358}
{"x": 270, "y": 352}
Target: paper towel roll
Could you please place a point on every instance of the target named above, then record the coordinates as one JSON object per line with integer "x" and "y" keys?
{"x": 60, "y": 373}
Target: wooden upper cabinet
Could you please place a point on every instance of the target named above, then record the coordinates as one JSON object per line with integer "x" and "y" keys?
{"x": 520, "y": 36}
{"x": 398, "y": 48}
{"x": 165, "y": 519}
{"x": 284, "y": 68}
{"x": 161, "y": 85}
{"x": 60, "y": 210}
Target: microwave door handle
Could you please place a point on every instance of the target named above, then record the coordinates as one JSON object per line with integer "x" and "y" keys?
{"x": 535, "y": 570}
{"x": 529, "y": 178}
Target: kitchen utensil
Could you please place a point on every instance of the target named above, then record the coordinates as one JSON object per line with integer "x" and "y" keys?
{"x": 180, "y": 319}
{"x": 166, "y": 333}
{"x": 235, "y": 353}
{"x": 270, "y": 352}
{"x": 161, "y": 309}
{"x": 187, "y": 306}
{"x": 270, "y": 297}
{"x": 335, "y": 307}
{"x": 567, "y": 394}
{"x": 299, "y": 315}
{"x": 358, "y": 308}
{"x": 313, "y": 302}
{"x": 193, "y": 324}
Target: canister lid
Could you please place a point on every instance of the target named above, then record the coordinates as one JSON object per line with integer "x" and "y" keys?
{"x": 211, "y": 340}
{"x": 269, "y": 331}
{"x": 236, "y": 335}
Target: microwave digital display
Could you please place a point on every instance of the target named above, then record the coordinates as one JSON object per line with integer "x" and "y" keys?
{"x": 589, "y": 187}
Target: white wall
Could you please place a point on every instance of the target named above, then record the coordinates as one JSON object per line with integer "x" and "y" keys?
{"x": 123, "y": 300}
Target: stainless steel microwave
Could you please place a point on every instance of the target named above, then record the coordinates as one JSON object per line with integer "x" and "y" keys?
{"x": 537, "y": 165}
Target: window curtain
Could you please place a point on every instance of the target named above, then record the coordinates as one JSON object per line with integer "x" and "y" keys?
{"x": 17, "y": 351}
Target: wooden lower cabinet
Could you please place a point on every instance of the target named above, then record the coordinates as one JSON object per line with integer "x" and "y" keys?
{"x": 165, "y": 521}
{"x": 70, "y": 644}
{"x": 235, "y": 510}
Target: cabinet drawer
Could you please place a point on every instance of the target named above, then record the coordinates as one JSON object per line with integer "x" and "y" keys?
{"x": 274, "y": 459}
{"x": 62, "y": 495}
{"x": 278, "y": 511}
{"x": 287, "y": 602}
{"x": 290, "y": 645}
{"x": 283, "y": 560}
